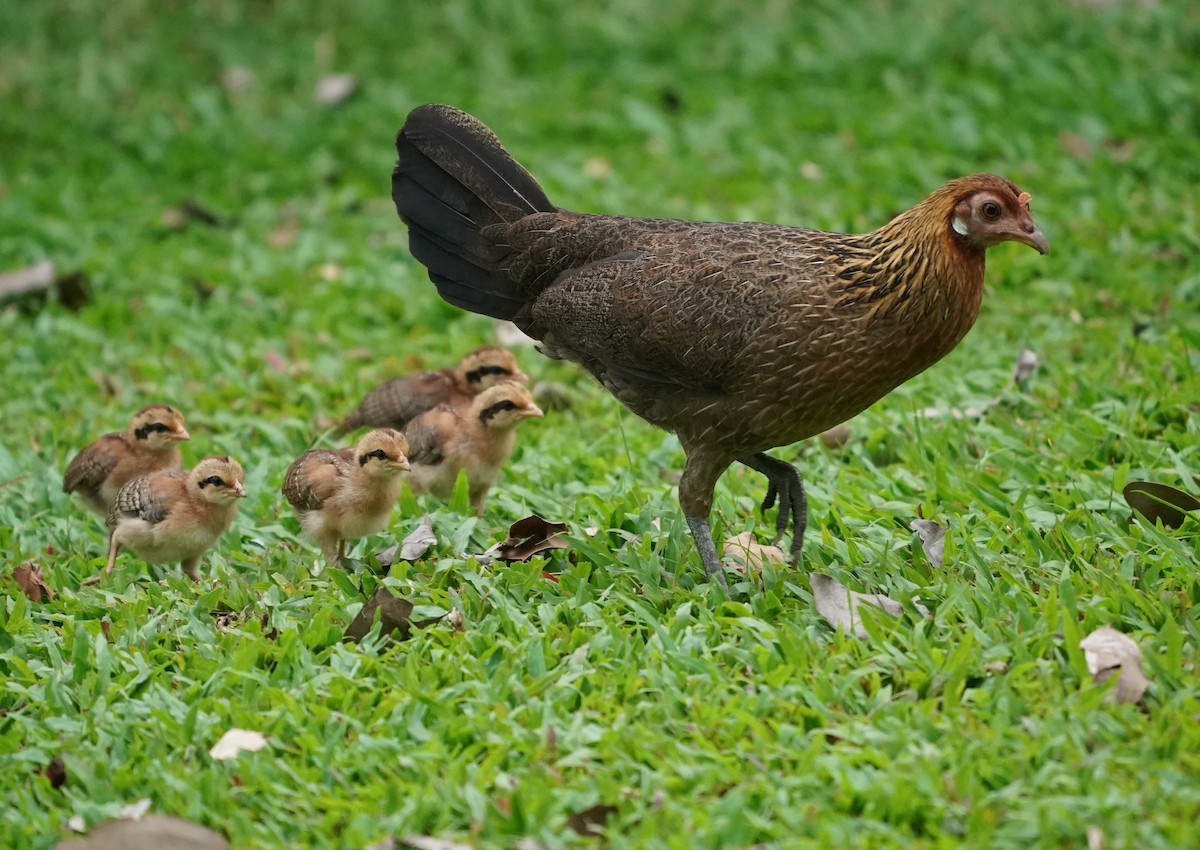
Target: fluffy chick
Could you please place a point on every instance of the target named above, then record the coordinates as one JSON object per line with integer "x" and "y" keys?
{"x": 149, "y": 444}
{"x": 395, "y": 403}
{"x": 176, "y": 516}
{"x": 347, "y": 493}
{"x": 478, "y": 439}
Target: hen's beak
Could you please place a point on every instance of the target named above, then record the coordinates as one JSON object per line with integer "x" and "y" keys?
{"x": 1033, "y": 238}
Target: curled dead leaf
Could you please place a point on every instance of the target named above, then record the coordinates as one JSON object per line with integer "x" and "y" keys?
{"x": 1160, "y": 502}
{"x": 840, "y": 605}
{"x": 393, "y": 611}
{"x": 188, "y": 212}
{"x": 73, "y": 289}
{"x": 748, "y": 553}
{"x": 1108, "y": 652}
{"x": 529, "y": 536}
{"x": 837, "y": 436}
{"x": 236, "y": 741}
{"x": 55, "y": 773}
{"x": 31, "y": 581}
{"x": 933, "y": 540}
{"x": 153, "y": 832}
{"x": 419, "y": 540}
{"x": 333, "y": 89}
{"x": 588, "y": 822}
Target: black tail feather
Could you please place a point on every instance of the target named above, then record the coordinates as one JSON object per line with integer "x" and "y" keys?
{"x": 453, "y": 178}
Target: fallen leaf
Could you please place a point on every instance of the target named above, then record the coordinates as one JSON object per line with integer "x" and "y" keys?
{"x": 456, "y": 621}
{"x": 747, "y": 552}
{"x": 1160, "y": 502}
{"x": 330, "y": 271}
{"x": 1027, "y": 363}
{"x": 73, "y": 290}
{"x": 30, "y": 279}
{"x": 29, "y": 578}
{"x": 933, "y": 540}
{"x": 394, "y": 614}
{"x": 419, "y": 540}
{"x": 55, "y": 773}
{"x": 591, "y": 820}
{"x": 188, "y": 212}
{"x": 597, "y": 167}
{"x": 135, "y": 810}
{"x": 284, "y": 235}
{"x": 1108, "y": 652}
{"x": 1095, "y": 838}
{"x": 425, "y": 842}
{"x": 1075, "y": 144}
{"x": 333, "y": 89}
{"x": 839, "y": 606}
{"x": 275, "y": 361}
{"x": 529, "y": 536}
{"x": 235, "y": 741}
{"x": 237, "y": 79}
{"x": 837, "y": 436}
{"x": 154, "y": 832}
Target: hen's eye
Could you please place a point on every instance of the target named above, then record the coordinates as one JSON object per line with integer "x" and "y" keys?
{"x": 990, "y": 210}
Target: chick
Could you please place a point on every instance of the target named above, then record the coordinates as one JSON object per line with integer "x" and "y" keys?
{"x": 176, "y": 516}
{"x": 395, "y": 403}
{"x": 478, "y": 439}
{"x": 150, "y": 444}
{"x": 347, "y": 493}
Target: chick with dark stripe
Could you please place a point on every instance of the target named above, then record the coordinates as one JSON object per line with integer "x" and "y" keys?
{"x": 344, "y": 494}
{"x": 149, "y": 444}
{"x": 395, "y": 403}
{"x": 166, "y": 517}
{"x": 477, "y": 440}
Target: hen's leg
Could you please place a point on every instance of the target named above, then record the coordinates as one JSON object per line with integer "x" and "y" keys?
{"x": 783, "y": 483}
{"x": 700, "y": 476}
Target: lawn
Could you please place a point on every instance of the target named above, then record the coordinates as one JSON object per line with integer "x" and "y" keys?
{"x": 245, "y": 263}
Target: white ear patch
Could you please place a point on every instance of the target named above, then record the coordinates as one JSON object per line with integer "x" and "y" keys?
{"x": 960, "y": 226}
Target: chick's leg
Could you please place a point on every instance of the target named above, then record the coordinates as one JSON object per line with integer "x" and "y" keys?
{"x": 784, "y": 483}
{"x": 114, "y": 546}
{"x": 700, "y": 476}
{"x": 191, "y": 568}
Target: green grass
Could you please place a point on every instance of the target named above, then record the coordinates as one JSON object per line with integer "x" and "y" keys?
{"x": 706, "y": 722}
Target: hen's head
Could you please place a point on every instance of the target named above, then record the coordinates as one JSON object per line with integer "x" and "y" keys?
{"x": 985, "y": 210}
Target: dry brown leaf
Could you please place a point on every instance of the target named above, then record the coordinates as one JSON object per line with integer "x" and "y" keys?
{"x": 153, "y": 832}
{"x": 933, "y": 540}
{"x": 29, "y": 578}
{"x": 840, "y": 606}
{"x": 591, "y": 820}
{"x": 529, "y": 536}
{"x": 1160, "y": 502}
{"x": 394, "y": 614}
{"x": 748, "y": 553}
{"x": 333, "y": 89}
{"x": 55, "y": 773}
{"x": 73, "y": 290}
{"x": 33, "y": 278}
{"x": 1075, "y": 144}
{"x": 284, "y": 235}
{"x": 837, "y": 436}
{"x": 1108, "y": 652}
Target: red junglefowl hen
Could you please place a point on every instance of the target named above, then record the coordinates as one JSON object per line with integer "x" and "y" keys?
{"x": 738, "y": 337}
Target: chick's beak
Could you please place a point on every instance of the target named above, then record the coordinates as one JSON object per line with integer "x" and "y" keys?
{"x": 239, "y": 490}
{"x": 181, "y": 433}
{"x": 402, "y": 463}
{"x": 533, "y": 411}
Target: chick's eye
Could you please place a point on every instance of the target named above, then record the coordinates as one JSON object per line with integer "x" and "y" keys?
{"x": 506, "y": 405}
{"x": 212, "y": 480}
{"x": 990, "y": 210}
{"x": 380, "y": 454}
